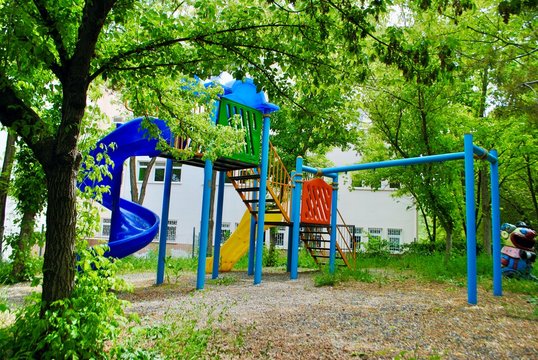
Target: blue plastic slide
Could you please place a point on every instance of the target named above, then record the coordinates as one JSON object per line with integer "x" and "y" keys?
{"x": 132, "y": 226}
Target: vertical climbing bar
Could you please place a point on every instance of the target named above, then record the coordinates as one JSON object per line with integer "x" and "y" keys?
{"x": 471, "y": 220}
{"x": 204, "y": 226}
{"x": 218, "y": 225}
{"x": 252, "y": 239}
{"x": 290, "y": 237}
{"x": 261, "y": 201}
{"x": 296, "y": 217}
{"x": 495, "y": 225}
{"x": 334, "y": 219}
{"x": 164, "y": 221}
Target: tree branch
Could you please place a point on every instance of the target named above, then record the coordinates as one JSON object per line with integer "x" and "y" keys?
{"x": 155, "y": 45}
{"x": 161, "y": 65}
{"x": 76, "y": 81}
{"x": 15, "y": 114}
{"x": 50, "y": 24}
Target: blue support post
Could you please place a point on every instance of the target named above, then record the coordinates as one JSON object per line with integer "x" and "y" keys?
{"x": 334, "y": 219}
{"x": 204, "y": 227}
{"x": 164, "y": 221}
{"x": 496, "y": 225}
{"x": 252, "y": 244}
{"x": 471, "y": 220}
{"x": 290, "y": 236}
{"x": 261, "y": 200}
{"x": 296, "y": 217}
{"x": 218, "y": 225}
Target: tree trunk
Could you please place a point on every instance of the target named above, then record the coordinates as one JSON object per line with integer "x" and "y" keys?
{"x": 133, "y": 178}
{"x": 59, "y": 259}
{"x": 144, "y": 185}
{"x": 5, "y": 175}
{"x": 138, "y": 197}
{"x": 271, "y": 256}
{"x": 23, "y": 246}
{"x": 531, "y": 185}
{"x": 434, "y": 230}
{"x": 448, "y": 248}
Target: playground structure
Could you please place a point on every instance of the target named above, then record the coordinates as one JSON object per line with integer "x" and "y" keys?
{"x": 468, "y": 155}
{"x": 271, "y": 196}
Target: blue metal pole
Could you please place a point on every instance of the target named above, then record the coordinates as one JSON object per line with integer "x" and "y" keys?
{"x": 252, "y": 244}
{"x": 334, "y": 219}
{"x": 290, "y": 236}
{"x": 204, "y": 226}
{"x": 484, "y": 154}
{"x": 261, "y": 200}
{"x": 471, "y": 221}
{"x": 495, "y": 225}
{"x": 218, "y": 225}
{"x": 392, "y": 163}
{"x": 164, "y": 221}
{"x": 296, "y": 217}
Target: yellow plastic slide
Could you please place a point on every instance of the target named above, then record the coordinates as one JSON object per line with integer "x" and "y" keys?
{"x": 237, "y": 244}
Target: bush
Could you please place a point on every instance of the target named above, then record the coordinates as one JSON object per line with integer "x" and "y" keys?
{"x": 377, "y": 247}
{"x": 427, "y": 247}
{"x": 30, "y": 270}
{"x": 77, "y": 327}
{"x": 133, "y": 264}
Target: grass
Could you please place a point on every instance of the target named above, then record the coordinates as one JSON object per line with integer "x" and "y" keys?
{"x": 305, "y": 260}
{"x": 327, "y": 279}
{"x": 193, "y": 333}
{"x": 223, "y": 280}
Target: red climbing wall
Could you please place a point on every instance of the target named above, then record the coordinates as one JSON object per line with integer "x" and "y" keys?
{"x": 316, "y": 202}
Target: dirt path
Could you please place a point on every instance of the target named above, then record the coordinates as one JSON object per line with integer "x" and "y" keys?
{"x": 401, "y": 318}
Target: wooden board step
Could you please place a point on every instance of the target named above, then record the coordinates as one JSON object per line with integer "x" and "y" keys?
{"x": 277, "y": 223}
{"x": 244, "y": 177}
{"x": 247, "y": 189}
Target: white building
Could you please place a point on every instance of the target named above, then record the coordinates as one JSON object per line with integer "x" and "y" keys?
{"x": 373, "y": 213}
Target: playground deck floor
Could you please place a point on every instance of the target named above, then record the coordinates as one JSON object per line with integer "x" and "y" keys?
{"x": 394, "y": 317}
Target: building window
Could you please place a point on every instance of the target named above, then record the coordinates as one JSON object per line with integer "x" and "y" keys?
{"x": 375, "y": 233}
{"x": 105, "y": 227}
{"x": 279, "y": 236}
{"x": 358, "y": 237}
{"x": 159, "y": 169}
{"x": 395, "y": 237}
{"x": 170, "y": 232}
{"x": 394, "y": 185}
{"x": 225, "y": 231}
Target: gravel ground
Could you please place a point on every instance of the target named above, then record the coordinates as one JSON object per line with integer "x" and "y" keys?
{"x": 402, "y": 318}
{"x": 396, "y": 318}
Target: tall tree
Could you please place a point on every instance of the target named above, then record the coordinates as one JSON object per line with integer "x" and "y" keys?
{"x": 453, "y": 63}
{"x": 30, "y": 194}
{"x": 51, "y": 52}
{"x": 5, "y": 177}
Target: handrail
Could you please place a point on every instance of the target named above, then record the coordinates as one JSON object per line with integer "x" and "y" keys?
{"x": 279, "y": 182}
{"x": 348, "y": 232}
